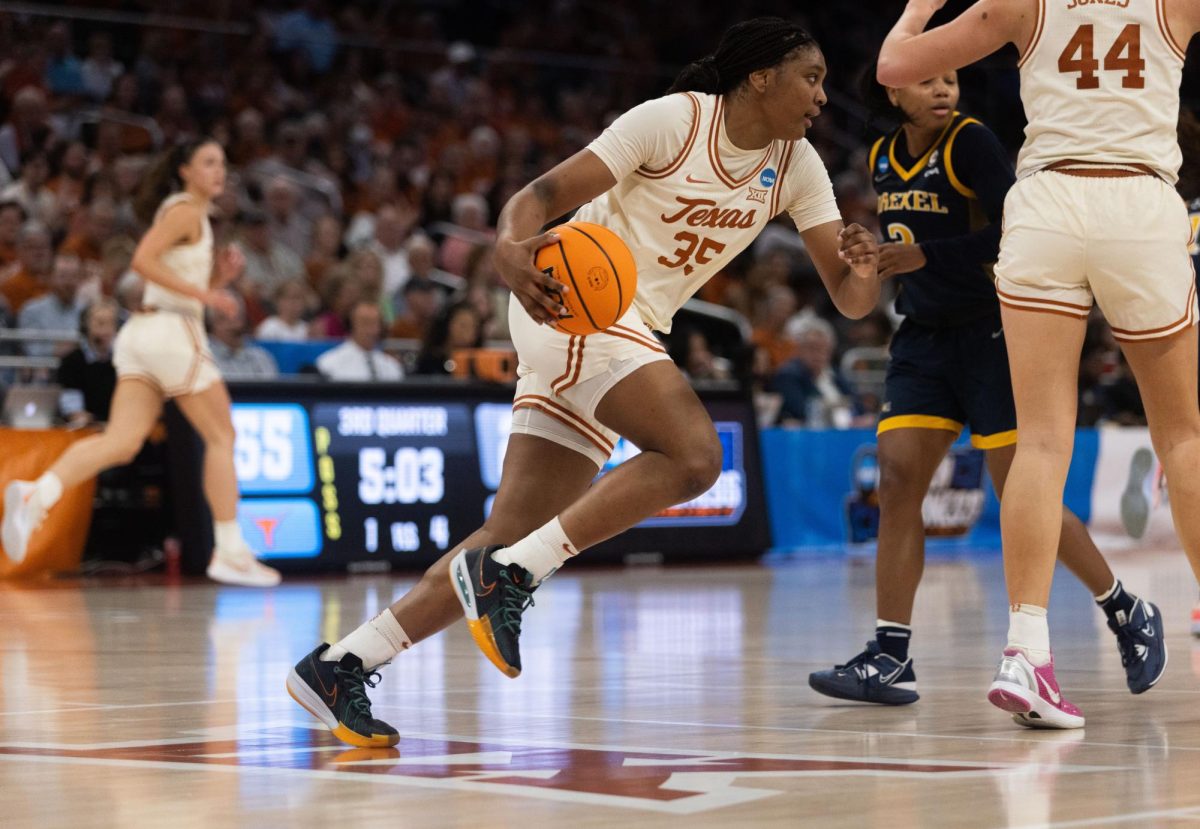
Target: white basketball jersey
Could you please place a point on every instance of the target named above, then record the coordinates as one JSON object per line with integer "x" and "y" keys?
{"x": 687, "y": 201}
{"x": 192, "y": 263}
{"x": 1100, "y": 83}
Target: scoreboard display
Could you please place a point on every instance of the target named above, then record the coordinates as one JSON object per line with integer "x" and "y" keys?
{"x": 338, "y": 475}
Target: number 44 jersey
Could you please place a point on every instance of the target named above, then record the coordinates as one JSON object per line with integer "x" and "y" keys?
{"x": 687, "y": 200}
{"x": 1100, "y": 83}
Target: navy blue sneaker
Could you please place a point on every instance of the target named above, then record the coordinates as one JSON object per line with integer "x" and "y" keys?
{"x": 1143, "y": 649}
{"x": 872, "y": 676}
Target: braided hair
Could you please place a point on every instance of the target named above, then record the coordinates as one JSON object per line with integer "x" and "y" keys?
{"x": 745, "y": 47}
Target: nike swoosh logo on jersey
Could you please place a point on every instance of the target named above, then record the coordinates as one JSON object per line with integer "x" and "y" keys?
{"x": 688, "y": 178}
{"x": 1055, "y": 696}
{"x": 996, "y": 336}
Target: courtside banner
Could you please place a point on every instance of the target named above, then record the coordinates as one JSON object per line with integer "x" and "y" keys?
{"x": 822, "y": 490}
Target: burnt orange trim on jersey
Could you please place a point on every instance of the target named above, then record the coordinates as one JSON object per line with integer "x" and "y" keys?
{"x": 906, "y": 175}
{"x": 1038, "y": 28}
{"x": 574, "y": 420}
{"x": 647, "y": 172}
{"x": 784, "y": 163}
{"x": 1038, "y": 310}
{"x": 1164, "y": 28}
{"x": 578, "y": 367}
{"x": 1015, "y": 298}
{"x": 954, "y": 180}
{"x": 1186, "y": 316}
{"x": 636, "y": 336}
{"x": 714, "y": 155}
{"x": 570, "y": 359}
{"x": 549, "y": 413}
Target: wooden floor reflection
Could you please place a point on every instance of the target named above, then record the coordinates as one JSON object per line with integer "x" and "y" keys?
{"x": 649, "y": 698}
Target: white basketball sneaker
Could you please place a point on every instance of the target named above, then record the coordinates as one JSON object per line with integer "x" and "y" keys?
{"x": 240, "y": 567}
{"x": 23, "y": 514}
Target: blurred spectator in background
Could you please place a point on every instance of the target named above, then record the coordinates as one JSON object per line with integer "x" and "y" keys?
{"x": 421, "y": 254}
{"x": 237, "y": 359}
{"x": 35, "y": 256}
{"x": 421, "y": 301}
{"x": 814, "y": 392}
{"x": 457, "y": 327}
{"x": 308, "y": 30}
{"x": 470, "y": 216}
{"x": 31, "y": 192}
{"x": 286, "y": 225}
{"x": 56, "y": 310}
{"x": 12, "y": 216}
{"x": 691, "y": 352}
{"x": 774, "y": 312}
{"x": 27, "y": 129}
{"x": 97, "y": 225}
{"x": 88, "y": 370}
{"x": 99, "y": 68}
{"x": 339, "y": 293}
{"x": 393, "y": 223}
{"x": 68, "y": 175}
{"x": 269, "y": 264}
{"x": 287, "y": 323}
{"x": 359, "y": 357}
{"x": 64, "y": 71}
{"x": 326, "y": 249}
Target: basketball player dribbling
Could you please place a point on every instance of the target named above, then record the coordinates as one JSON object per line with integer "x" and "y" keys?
{"x": 688, "y": 181}
{"x": 163, "y": 353}
{"x": 1093, "y": 217}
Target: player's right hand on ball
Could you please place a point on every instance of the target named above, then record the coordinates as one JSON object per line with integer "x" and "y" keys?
{"x": 539, "y": 293}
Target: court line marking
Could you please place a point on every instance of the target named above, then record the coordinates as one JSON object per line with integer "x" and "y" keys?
{"x": 383, "y": 704}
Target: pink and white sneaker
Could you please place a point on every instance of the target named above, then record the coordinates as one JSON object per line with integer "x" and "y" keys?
{"x": 1031, "y": 693}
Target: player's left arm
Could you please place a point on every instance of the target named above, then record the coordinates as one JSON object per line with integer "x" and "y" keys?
{"x": 847, "y": 258}
{"x": 910, "y": 54}
{"x": 978, "y": 162}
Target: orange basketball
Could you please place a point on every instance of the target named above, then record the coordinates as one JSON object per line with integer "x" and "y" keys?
{"x": 600, "y": 270}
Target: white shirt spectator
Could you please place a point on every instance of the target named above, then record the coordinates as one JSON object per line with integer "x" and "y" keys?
{"x": 349, "y": 362}
{"x": 275, "y": 329}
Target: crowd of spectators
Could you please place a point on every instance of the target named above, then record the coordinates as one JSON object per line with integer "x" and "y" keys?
{"x": 371, "y": 147}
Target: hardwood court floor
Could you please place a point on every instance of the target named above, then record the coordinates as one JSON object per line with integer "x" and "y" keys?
{"x": 649, "y": 698}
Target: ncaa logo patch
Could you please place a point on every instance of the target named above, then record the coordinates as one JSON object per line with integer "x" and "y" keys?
{"x": 882, "y": 166}
{"x": 767, "y": 179}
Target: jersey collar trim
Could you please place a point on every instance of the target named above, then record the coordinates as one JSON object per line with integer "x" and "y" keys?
{"x": 904, "y": 174}
{"x": 714, "y": 155}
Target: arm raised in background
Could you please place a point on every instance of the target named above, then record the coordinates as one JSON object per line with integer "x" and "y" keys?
{"x": 910, "y": 54}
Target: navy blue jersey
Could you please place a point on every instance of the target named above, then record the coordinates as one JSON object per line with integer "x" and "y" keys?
{"x": 949, "y": 201}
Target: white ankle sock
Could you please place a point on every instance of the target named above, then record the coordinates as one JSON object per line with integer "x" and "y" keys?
{"x": 1101, "y": 598}
{"x": 228, "y": 536}
{"x": 49, "y": 489}
{"x": 1029, "y": 630}
{"x": 374, "y": 642}
{"x": 541, "y": 552}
